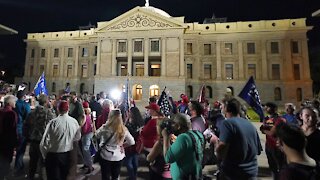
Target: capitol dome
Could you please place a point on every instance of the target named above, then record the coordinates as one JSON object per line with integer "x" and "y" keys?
{"x": 157, "y": 10}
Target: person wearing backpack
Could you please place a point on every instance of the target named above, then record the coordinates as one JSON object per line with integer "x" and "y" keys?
{"x": 239, "y": 144}
{"x": 22, "y": 109}
{"x": 293, "y": 143}
{"x": 184, "y": 152}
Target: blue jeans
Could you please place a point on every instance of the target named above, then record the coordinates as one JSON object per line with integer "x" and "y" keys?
{"x": 86, "y": 142}
{"x": 131, "y": 162}
{"x": 19, "y": 164}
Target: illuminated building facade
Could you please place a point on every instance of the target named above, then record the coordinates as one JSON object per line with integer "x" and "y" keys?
{"x": 156, "y": 50}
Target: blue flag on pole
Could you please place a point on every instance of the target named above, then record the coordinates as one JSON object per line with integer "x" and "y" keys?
{"x": 251, "y": 95}
{"x": 40, "y": 87}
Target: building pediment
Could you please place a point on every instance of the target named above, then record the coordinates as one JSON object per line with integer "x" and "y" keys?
{"x": 140, "y": 19}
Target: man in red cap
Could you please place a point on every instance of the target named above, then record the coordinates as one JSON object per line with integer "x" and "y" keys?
{"x": 57, "y": 143}
{"x": 149, "y": 131}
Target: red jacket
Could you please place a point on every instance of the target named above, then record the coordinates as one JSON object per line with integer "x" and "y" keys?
{"x": 149, "y": 133}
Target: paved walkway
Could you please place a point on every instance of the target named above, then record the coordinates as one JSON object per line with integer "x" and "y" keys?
{"x": 264, "y": 172}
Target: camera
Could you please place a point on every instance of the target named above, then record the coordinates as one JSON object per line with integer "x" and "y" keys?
{"x": 168, "y": 123}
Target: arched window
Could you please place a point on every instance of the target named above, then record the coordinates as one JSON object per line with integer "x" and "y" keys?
{"x": 299, "y": 94}
{"x": 53, "y": 87}
{"x": 189, "y": 91}
{"x": 277, "y": 94}
{"x": 82, "y": 86}
{"x": 208, "y": 92}
{"x": 154, "y": 90}
{"x": 230, "y": 91}
{"x": 137, "y": 94}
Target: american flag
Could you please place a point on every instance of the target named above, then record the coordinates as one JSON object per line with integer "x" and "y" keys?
{"x": 164, "y": 103}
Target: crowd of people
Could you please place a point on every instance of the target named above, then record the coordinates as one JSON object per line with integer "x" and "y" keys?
{"x": 64, "y": 131}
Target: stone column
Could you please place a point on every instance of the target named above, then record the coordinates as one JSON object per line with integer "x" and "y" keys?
{"x": 163, "y": 57}
{"x": 241, "y": 71}
{"x": 264, "y": 62}
{"x": 305, "y": 66}
{"x": 130, "y": 57}
{"x": 61, "y": 66}
{"x": 114, "y": 57}
{"x": 218, "y": 52}
{"x": 76, "y": 61}
{"x": 98, "y": 56}
{"x": 286, "y": 68}
{"x": 182, "y": 64}
{"x": 49, "y": 62}
{"x": 146, "y": 57}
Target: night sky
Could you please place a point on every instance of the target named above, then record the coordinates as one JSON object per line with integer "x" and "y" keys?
{"x": 28, "y": 16}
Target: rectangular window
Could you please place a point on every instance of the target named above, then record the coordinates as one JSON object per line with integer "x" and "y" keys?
{"x": 189, "y": 48}
{"x": 207, "y": 71}
{"x": 274, "y": 47}
{"x": 229, "y": 71}
{"x": 122, "y": 46}
{"x": 31, "y": 71}
{"x": 155, "y": 70}
{"x": 207, "y": 49}
{"x": 275, "y": 71}
{"x": 155, "y": 46}
{"x": 55, "y": 70}
{"x": 43, "y": 53}
{"x": 123, "y": 69}
{"x": 295, "y": 47}
{"x": 228, "y": 48}
{"x": 70, "y": 52}
{"x": 137, "y": 46}
{"x": 296, "y": 71}
{"x": 252, "y": 70}
{"x": 32, "y": 53}
{"x": 84, "y": 71}
{"x": 95, "y": 69}
{"x": 189, "y": 71}
{"x": 139, "y": 70}
{"x": 85, "y": 52}
{"x": 56, "y": 52}
{"x": 69, "y": 70}
{"x": 41, "y": 69}
{"x": 251, "y": 48}
{"x": 95, "y": 51}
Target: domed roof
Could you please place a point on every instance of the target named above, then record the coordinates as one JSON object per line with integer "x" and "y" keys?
{"x": 157, "y": 10}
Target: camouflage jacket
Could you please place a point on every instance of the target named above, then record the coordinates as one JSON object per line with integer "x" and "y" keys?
{"x": 37, "y": 122}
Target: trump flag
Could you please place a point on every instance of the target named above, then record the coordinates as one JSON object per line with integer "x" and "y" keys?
{"x": 251, "y": 95}
{"x": 40, "y": 87}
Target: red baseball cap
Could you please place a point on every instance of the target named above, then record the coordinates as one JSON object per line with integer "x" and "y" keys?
{"x": 155, "y": 107}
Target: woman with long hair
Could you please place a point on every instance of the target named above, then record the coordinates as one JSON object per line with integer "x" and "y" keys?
{"x": 159, "y": 169}
{"x": 114, "y": 137}
{"x": 134, "y": 124}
